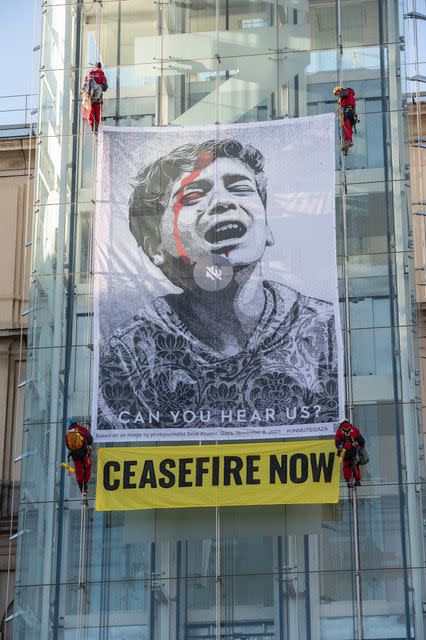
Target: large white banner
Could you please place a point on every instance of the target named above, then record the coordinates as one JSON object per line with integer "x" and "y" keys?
{"x": 215, "y": 287}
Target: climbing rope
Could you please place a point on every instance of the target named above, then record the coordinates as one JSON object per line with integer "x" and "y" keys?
{"x": 82, "y": 595}
{"x": 90, "y": 222}
{"x": 348, "y": 349}
{"x": 218, "y": 557}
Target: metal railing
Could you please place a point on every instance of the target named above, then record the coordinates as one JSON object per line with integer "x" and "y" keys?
{"x": 16, "y": 108}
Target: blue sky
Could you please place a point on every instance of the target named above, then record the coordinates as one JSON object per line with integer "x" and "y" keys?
{"x": 16, "y": 44}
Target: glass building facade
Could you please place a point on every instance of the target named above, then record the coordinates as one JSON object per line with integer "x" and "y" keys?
{"x": 345, "y": 571}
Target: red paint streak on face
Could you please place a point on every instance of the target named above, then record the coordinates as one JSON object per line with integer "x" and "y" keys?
{"x": 204, "y": 159}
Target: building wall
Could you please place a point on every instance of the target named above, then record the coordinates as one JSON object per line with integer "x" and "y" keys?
{"x": 417, "y": 135}
{"x": 14, "y": 293}
{"x": 257, "y": 572}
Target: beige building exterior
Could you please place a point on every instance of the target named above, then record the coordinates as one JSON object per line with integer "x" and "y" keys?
{"x": 16, "y": 196}
{"x": 417, "y": 142}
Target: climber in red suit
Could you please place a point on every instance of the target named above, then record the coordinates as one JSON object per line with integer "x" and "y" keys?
{"x": 94, "y": 109}
{"x": 79, "y": 440}
{"x": 347, "y": 106}
{"x": 348, "y": 439}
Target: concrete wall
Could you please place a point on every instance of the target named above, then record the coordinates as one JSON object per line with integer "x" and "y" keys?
{"x": 16, "y": 208}
{"x": 417, "y": 136}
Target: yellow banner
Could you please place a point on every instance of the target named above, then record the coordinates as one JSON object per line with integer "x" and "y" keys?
{"x": 130, "y": 478}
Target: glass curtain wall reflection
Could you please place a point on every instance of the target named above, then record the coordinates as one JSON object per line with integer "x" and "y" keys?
{"x": 276, "y": 573}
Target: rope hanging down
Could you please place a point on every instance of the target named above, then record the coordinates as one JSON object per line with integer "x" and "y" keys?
{"x": 83, "y": 550}
{"x": 349, "y": 390}
{"x": 81, "y": 593}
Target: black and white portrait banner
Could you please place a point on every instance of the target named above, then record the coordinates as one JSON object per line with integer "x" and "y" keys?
{"x": 215, "y": 283}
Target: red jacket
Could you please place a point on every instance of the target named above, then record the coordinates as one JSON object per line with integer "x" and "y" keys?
{"x": 349, "y": 100}
{"x": 348, "y": 436}
{"x": 98, "y": 75}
